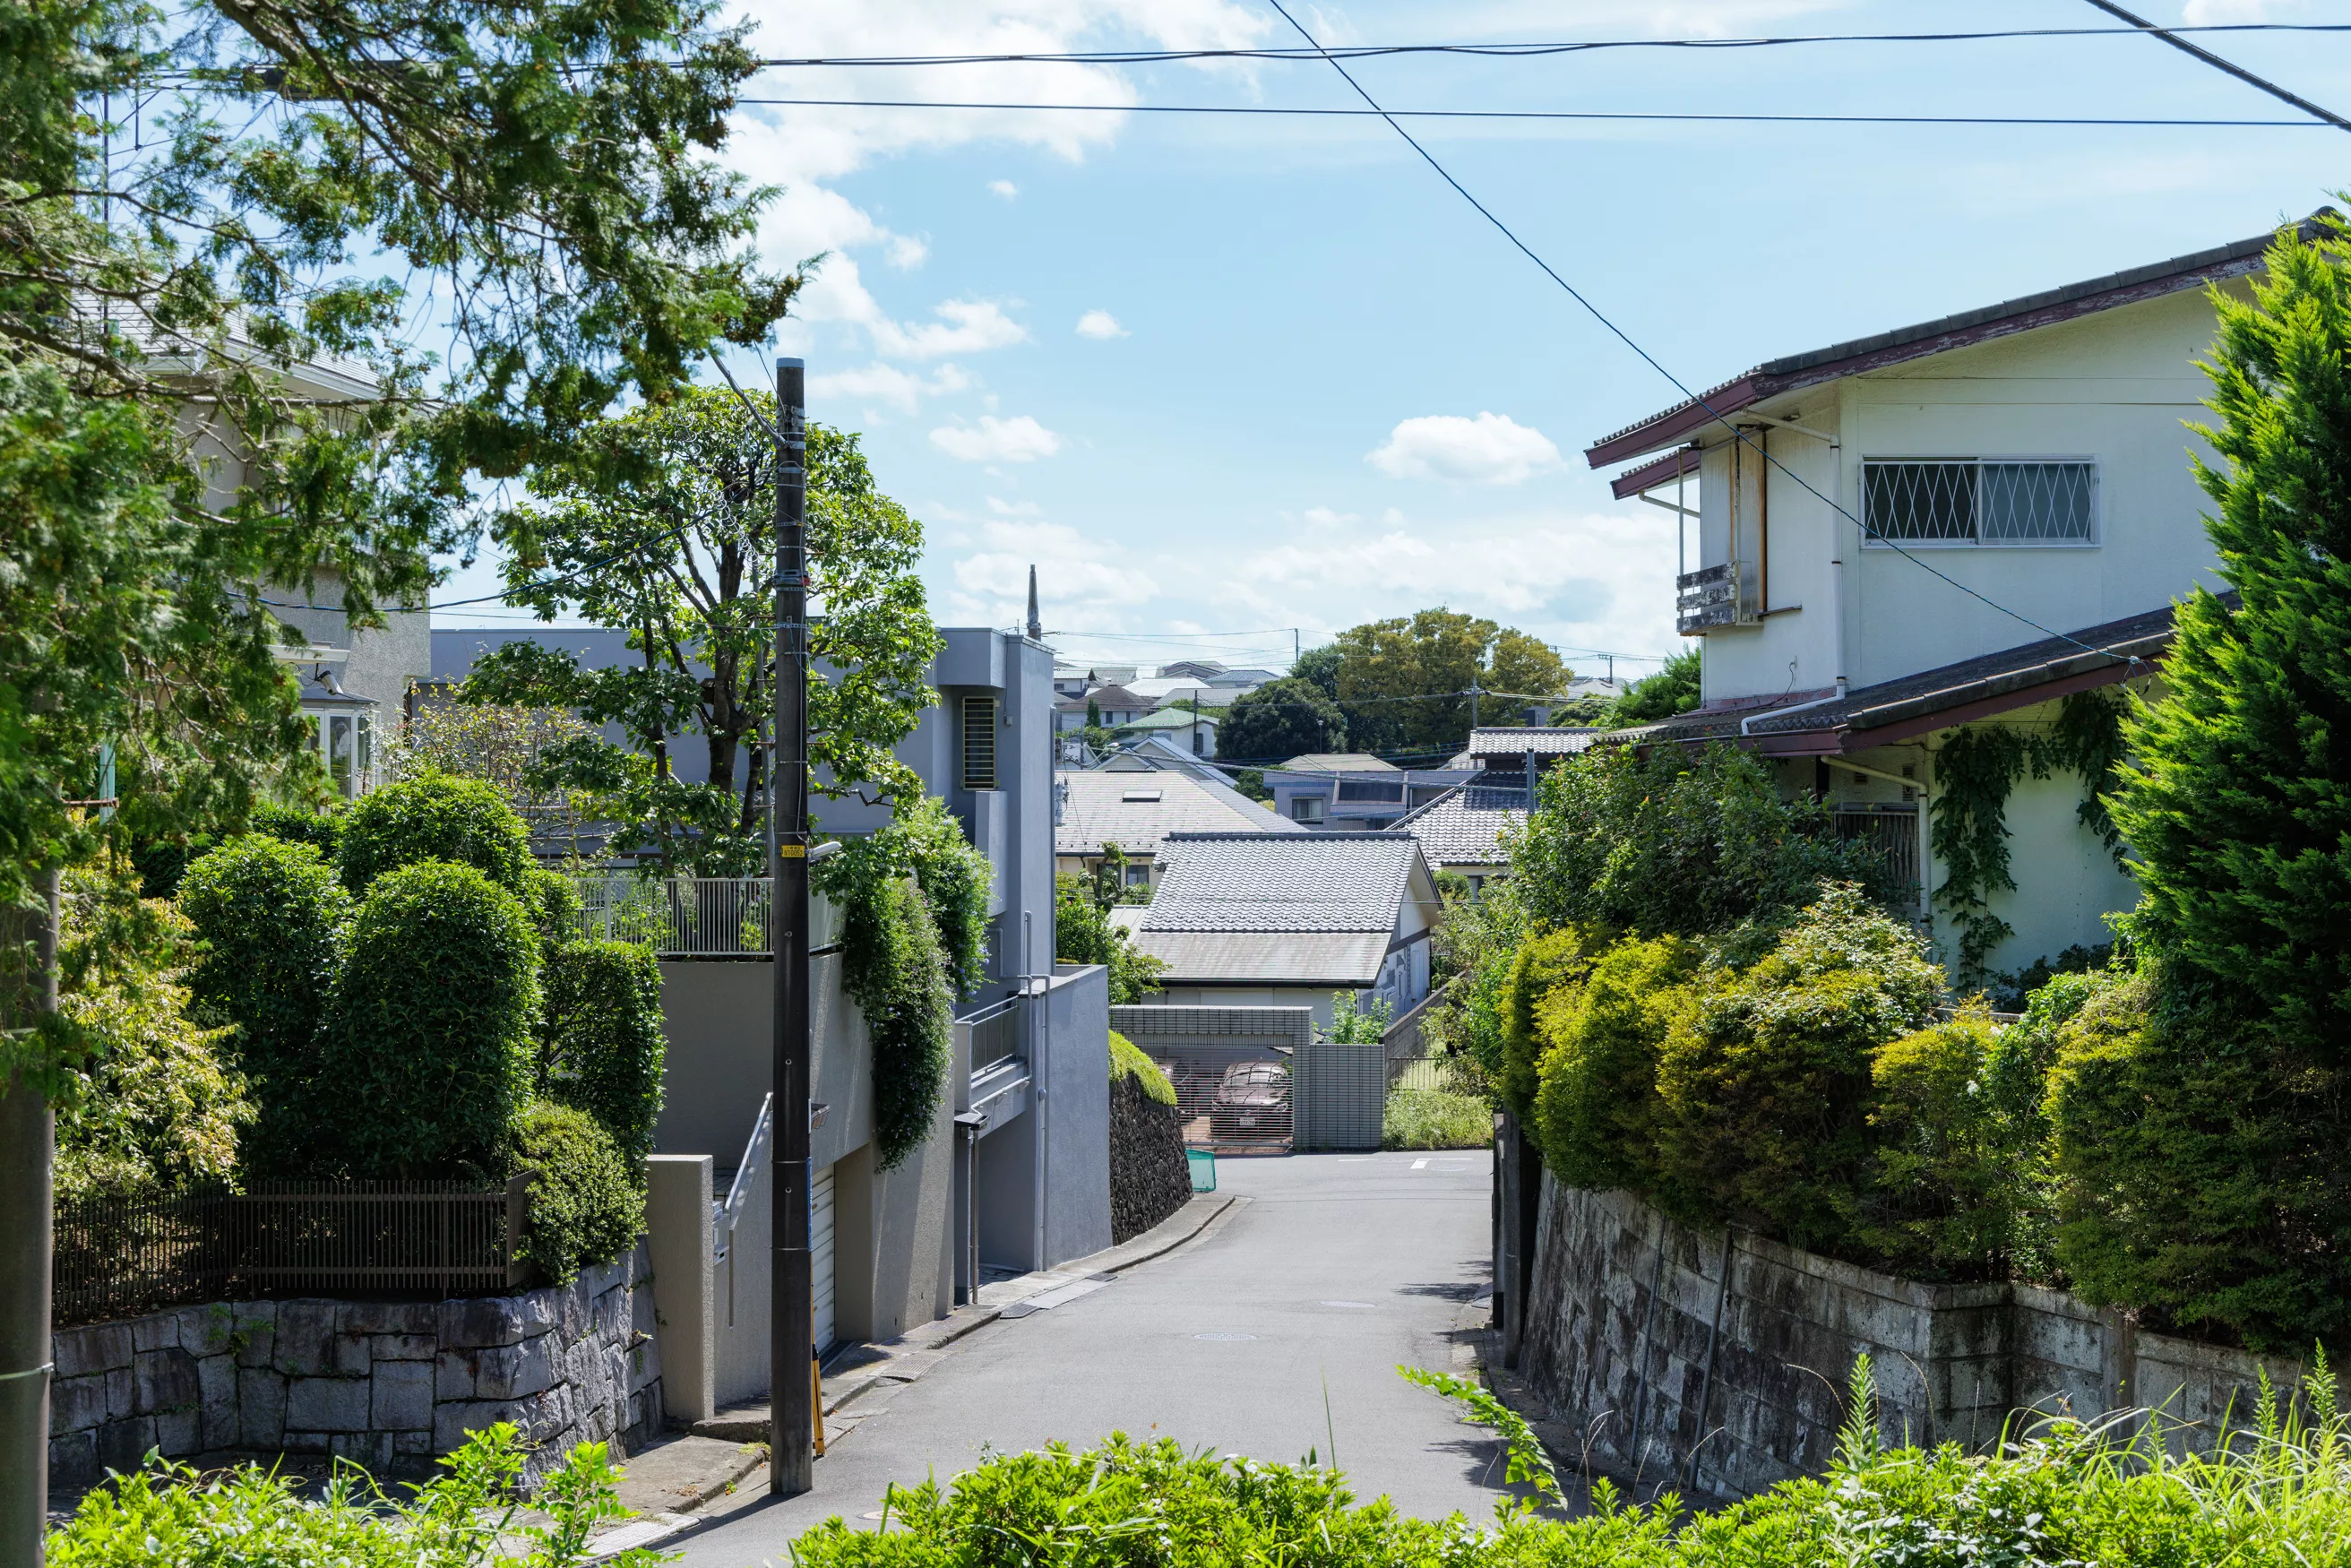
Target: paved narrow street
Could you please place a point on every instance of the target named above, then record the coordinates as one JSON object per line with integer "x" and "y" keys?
{"x": 1338, "y": 1270}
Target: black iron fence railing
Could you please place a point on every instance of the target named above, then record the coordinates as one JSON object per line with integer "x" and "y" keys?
{"x": 118, "y": 1258}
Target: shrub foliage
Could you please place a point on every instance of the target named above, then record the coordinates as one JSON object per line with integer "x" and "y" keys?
{"x": 602, "y": 1046}
{"x": 587, "y": 1208}
{"x": 273, "y": 921}
{"x": 435, "y": 817}
{"x": 429, "y": 1049}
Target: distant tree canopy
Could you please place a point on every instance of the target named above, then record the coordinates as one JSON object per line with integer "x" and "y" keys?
{"x": 1671, "y": 690}
{"x": 1282, "y": 719}
{"x": 1402, "y": 685}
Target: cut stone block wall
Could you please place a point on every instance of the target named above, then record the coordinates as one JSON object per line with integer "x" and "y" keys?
{"x": 1718, "y": 1363}
{"x": 1150, "y": 1177}
{"x": 388, "y": 1384}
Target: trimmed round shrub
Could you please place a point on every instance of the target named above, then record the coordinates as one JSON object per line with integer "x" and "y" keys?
{"x": 602, "y": 1041}
{"x": 1764, "y": 1084}
{"x": 429, "y": 1048}
{"x": 555, "y": 907}
{"x": 435, "y": 817}
{"x": 1596, "y": 1110}
{"x": 584, "y": 1207}
{"x": 322, "y": 831}
{"x": 273, "y": 921}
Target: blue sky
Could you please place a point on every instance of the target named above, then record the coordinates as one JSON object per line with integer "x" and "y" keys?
{"x": 1245, "y": 373}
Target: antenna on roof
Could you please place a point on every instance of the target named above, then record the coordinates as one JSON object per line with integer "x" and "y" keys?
{"x": 1036, "y": 627}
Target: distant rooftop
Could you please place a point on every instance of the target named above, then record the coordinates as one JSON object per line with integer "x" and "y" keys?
{"x": 1338, "y": 762}
{"x": 1463, "y": 826}
{"x": 1519, "y": 740}
{"x": 1136, "y": 809}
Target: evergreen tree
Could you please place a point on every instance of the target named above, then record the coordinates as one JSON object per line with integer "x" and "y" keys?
{"x": 1282, "y": 719}
{"x": 2239, "y": 810}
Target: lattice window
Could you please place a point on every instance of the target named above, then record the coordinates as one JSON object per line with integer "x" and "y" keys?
{"x": 1980, "y": 501}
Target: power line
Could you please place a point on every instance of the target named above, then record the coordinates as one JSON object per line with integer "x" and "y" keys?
{"x": 1392, "y": 116}
{"x": 1516, "y": 52}
{"x": 1624, "y": 338}
{"x": 2171, "y": 36}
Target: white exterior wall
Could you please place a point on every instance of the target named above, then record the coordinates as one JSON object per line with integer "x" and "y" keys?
{"x": 2114, "y": 387}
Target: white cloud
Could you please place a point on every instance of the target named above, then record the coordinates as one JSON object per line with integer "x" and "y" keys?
{"x": 1004, "y": 188}
{"x": 887, "y": 385}
{"x": 1324, "y": 517}
{"x": 1491, "y": 449}
{"x": 1078, "y": 576}
{"x": 1100, "y": 324}
{"x": 1019, "y": 439}
{"x": 1004, "y": 509}
{"x": 966, "y": 327}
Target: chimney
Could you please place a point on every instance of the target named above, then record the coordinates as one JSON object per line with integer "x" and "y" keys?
{"x": 1036, "y": 627}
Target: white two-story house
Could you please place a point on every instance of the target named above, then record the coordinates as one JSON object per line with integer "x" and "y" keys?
{"x": 1958, "y": 523}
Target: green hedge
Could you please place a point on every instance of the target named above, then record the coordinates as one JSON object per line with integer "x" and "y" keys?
{"x": 553, "y": 900}
{"x": 436, "y": 818}
{"x": 602, "y": 1044}
{"x": 429, "y": 1049}
{"x": 1432, "y": 1119}
{"x": 321, "y": 830}
{"x": 273, "y": 921}
{"x": 1596, "y": 1110}
{"x": 587, "y": 1202}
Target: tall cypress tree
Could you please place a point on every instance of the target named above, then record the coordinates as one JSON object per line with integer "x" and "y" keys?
{"x": 2239, "y": 810}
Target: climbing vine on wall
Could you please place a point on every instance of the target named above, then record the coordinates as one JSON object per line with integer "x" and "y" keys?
{"x": 1975, "y": 772}
{"x": 914, "y": 903}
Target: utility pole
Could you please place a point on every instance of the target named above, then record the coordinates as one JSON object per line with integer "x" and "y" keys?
{"x": 27, "y": 1130}
{"x": 791, "y": 1412}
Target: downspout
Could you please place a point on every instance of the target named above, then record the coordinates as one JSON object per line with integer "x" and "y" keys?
{"x": 1763, "y": 522}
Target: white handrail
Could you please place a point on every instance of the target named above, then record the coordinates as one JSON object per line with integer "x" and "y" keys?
{"x": 738, "y": 1191}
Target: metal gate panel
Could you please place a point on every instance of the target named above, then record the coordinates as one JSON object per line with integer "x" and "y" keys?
{"x": 821, "y": 1254}
{"x": 1340, "y": 1094}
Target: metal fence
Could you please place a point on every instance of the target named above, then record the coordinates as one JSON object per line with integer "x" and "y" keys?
{"x": 680, "y": 916}
{"x": 116, "y": 1258}
{"x": 995, "y": 1033}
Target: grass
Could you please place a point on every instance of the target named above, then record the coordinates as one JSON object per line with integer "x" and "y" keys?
{"x": 1432, "y": 1119}
{"x": 1127, "y": 1060}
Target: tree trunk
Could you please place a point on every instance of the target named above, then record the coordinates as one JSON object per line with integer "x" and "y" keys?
{"x": 26, "y": 1129}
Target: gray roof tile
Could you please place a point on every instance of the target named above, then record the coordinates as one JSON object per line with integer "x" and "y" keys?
{"x": 1463, "y": 826}
{"x": 1106, "y": 806}
{"x": 1282, "y": 883}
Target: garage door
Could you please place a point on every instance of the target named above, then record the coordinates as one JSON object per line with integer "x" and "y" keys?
{"x": 821, "y": 1254}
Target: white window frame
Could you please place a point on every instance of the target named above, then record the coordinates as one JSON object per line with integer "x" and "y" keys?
{"x": 364, "y": 738}
{"x": 1870, "y": 540}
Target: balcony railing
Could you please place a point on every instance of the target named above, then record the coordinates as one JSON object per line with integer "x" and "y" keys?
{"x": 1707, "y": 598}
{"x": 995, "y": 1033}
{"x": 679, "y": 917}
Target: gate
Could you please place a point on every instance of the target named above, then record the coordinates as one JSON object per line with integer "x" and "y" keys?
{"x": 1233, "y": 1069}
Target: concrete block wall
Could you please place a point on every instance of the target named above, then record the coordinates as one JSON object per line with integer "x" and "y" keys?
{"x": 1717, "y": 1363}
{"x": 390, "y": 1384}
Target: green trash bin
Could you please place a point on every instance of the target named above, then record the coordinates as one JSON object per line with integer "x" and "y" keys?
{"x": 1204, "y": 1169}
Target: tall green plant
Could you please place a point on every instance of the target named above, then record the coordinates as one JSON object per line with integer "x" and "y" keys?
{"x": 2237, "y": 808}
{"x": 1083, "y": 933}
{"x": 436, "y": 817}
{"x": 274, "y": 923}
{"x": 601, "y": 1041}
{"x": 1677, "y": 842}
{"x": 428, "y": 1042}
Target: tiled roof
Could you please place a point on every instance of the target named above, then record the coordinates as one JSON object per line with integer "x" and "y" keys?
{"x": 2067, "y": 302}
{"x": 1334, "y": 959}
{"x": 1282, "y": 883}
{"x": 2011, "y": 677}
{"x": 1337, "y": 762}
{"x": 1463, "y": 826}
{"x": 1552, "y": 740}
{"x": 1105, "y": 806}
{"x": 1108, "y": 697}
{"x": 1173, "y": 718}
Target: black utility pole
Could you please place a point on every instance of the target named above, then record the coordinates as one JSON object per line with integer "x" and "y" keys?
{"x": 792, "y": 1327}
{"x": 26, "y": 1137}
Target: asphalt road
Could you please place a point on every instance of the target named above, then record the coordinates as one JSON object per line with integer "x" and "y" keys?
{"x": 1338, "y": 1270}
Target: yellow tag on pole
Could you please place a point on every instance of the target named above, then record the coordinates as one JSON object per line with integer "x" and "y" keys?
{"x": 791, "y": 851}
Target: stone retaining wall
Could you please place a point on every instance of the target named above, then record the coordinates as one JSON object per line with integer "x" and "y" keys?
{"x": 1150, "y": 1177}
{"x": 1717, "y": 1363}
{"x": 390, "y": 1384}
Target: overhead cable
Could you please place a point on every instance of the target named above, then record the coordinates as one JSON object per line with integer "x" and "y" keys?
{"x": 1392, "y": 116}
{"x": 1518, "y": 51}
{"x": 1652, "y": 362}
{"x": 2171, "y": 36}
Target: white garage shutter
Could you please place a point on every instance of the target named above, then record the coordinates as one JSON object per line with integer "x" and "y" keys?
{"x": 821, "y": 1254}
